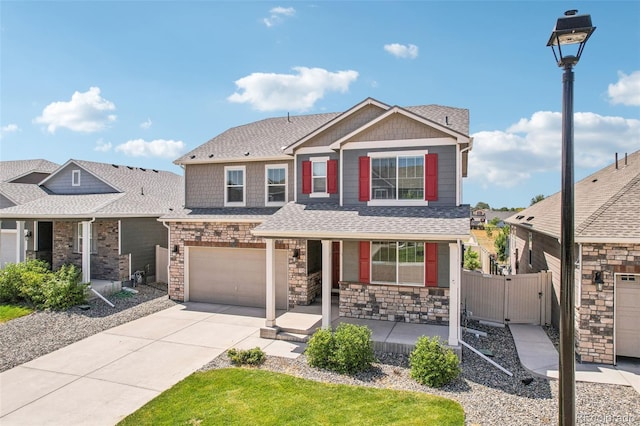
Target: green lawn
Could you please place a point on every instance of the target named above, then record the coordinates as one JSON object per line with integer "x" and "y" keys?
{"x": 241, "y": 396}
{"x": 9, "y": 312}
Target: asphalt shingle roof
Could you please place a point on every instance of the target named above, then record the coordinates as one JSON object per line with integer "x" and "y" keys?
{"x": 10, "y": 170}
{"x": 330, "y": 220}
{"x": 267, "y": 138}
{"x": 606, "y": 205}
{"x": 221, "y": 214}
{"x": 21, "y": 193}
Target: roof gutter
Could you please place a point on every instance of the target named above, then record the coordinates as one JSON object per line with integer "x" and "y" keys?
{"x": 359, "y": 236}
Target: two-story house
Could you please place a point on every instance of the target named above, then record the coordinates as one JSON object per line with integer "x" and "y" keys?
{"x": 364, "y": 203}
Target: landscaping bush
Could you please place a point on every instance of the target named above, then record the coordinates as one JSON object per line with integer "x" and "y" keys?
{"x": 255, "y": 356}
{"x": 32, "y": 283}
{"x": 432, "y": 363}
{"x": 348, "y": 350}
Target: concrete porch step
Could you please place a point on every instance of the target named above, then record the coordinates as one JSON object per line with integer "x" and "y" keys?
{"x": 292, "y": 337}
{"x": 302, "y": 331}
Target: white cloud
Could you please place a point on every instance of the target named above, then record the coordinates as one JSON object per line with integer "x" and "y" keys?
{"x": 9, "y": 128}
{"x": 533, "y": 145}
{"x": 155, "y": 148}
{"x": 402, "y": 51}
{"x": 627, "y": 90}
{"x": 294, "y": 92}
{"x": 146, "y": 124}
{"x": 277, "y": 15}
{"x": 102, "y": 146}
{"x": 85, "y": 112}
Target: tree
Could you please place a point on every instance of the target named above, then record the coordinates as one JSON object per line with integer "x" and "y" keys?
{"x": 471, "y": 261}
{"x": 501, "y": 243}
{"x": 482, "y": 205}
{"x": 535, "y": 199}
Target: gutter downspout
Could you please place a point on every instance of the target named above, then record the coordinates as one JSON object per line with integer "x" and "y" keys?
{"x": 459, "y": 183}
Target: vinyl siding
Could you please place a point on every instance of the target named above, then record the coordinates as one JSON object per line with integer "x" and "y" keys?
{"x": 446, "y": 173}
{"x": 205, "y": 184}
{"x": 60, "y": 183}
{"x": 140, "y": 237}
{"x": 305, "y": 198}
{"x": 346, "y": 126}
{"x": 5, "y": 202}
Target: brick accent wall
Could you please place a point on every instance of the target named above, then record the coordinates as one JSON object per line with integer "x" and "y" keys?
{"x": 216, "y": 234}
{"x": 595, "y": 315}
{"x": 419, "y": 305}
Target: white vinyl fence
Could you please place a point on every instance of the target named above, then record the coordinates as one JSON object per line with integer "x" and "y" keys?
{"x": 162, "y": 264}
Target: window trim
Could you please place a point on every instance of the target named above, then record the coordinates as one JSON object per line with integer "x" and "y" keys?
{"x": 228, "y": 203}
{"x": 75, "y": 177}
{"x": 77, "y": 243}
{"x": 266, "y": 184}
{"x": 396, "y": 201}
{"x": 423, "y": 283}
{"x": 313, "y": 193}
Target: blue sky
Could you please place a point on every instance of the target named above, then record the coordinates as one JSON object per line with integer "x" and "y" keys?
{"x": 142, "y": 82}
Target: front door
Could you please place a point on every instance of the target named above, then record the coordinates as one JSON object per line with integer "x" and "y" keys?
{"x": 45, "y": 242}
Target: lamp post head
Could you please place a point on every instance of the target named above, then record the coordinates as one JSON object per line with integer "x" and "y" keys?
{"x": 570, "y": 29}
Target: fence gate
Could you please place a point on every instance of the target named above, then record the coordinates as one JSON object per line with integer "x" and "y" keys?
{"x": 515, "y": 299}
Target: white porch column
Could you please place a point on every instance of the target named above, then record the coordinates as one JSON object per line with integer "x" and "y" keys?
{"x": 326, "y": 283}
{"x": 454, "y": 293}
{"x": 271, "y": 282}
{"x": 21, "y": 244}
{"x": 86, "y": 251}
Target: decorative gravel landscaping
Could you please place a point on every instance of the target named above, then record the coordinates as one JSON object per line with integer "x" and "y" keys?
{"x": 488, "y": 396}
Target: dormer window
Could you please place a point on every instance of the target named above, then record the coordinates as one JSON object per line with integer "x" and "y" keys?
{"x": 234, "y": 186}
{"x": 75, "y": 177}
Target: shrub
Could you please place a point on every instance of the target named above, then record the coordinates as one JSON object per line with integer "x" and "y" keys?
{"x": 471, "y": 261}
{"x": 348, "y": 350}
{"x": 255, "y": 356}
{"x": 34, "y": 284}
{"x": 432, "y": 363}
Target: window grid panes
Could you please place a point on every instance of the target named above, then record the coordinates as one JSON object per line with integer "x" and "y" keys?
{"x": 397, "y": 178}
{"x": 397, "y": 262}
{"x": 235, "y": 186}
{"x": 319, "y": 171}
{"x": 276, "y": 185}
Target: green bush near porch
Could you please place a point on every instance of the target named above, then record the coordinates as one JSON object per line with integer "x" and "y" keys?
{"x": 432, "y": 363}
{"x": 33, "y": 284}
{"x": 348, "y": 350}
{"x": 241, "y": 396}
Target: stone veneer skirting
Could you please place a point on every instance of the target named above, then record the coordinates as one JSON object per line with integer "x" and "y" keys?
{"x": 420, "y": 305}
{"x": 595, "y": 315}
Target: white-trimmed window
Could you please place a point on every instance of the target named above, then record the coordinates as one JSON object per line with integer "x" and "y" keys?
{"x": 77, "y": 246}
{"x": 319, "y": 177}
{"x": 397, "y": 178}
{"x": 234, "y": 186}
{"x": 275, "y": 184}
{"x": 399, "y": 263}
{"x": 75, "y": 177}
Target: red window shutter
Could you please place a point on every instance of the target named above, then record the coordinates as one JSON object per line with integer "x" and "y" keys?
{"x": 431, "y": 177}
{"x": 364, "y": 178}
{"x": 431, "y": 264}
{"x": 365, "y": 261}
{"x": 332, "y": 176}
{"x": 306, "y": 177}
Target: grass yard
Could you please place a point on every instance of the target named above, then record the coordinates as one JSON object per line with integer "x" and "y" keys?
{"x": 9, "y": 312}
{"x": 241, "y": 396}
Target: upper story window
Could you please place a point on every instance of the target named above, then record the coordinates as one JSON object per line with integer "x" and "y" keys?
{"x": 75, "y": 178}
{"x": 276, "y": 184}
{"x": 398, "y": 178}
{"x": 77, "y": 246}
{"x": 320, "y": 177}
{"x": 234, "y": 186}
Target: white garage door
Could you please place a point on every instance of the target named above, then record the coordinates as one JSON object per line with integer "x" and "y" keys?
{"x": 235, "y": 276}
{"x": 627, "y": 314}
{"x": 7, "y": 247}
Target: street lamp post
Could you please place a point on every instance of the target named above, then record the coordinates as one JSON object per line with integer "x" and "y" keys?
{"x": 570, "y": 29}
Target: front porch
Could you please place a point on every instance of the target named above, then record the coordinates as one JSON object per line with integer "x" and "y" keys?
{"x": 299, "y": 323}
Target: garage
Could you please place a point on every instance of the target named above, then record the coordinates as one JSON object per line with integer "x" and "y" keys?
{"x": 627, "y": 314}
{"x": 235, "y": 276}
{"x": 7, "y": 246}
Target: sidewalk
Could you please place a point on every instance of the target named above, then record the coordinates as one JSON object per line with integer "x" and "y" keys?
{"x": 538, "y": 355}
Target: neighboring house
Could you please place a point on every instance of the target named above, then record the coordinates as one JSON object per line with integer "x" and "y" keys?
{"x": 100, "y": 217}
{"x": 607, "y": 253}
{"x": 18, "y": 185}
{"x": 364, "y": 203}
{"x": 480, "y": 217}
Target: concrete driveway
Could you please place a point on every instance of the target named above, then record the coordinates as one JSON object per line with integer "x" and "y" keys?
{"x": 105, "y": 377}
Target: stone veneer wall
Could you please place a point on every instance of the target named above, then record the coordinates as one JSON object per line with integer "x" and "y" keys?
{"x": 595, "y": 315}
{"x": 123, "y": 267}
{"x": 420, "y": 305}
{"x": 217, "y": 234}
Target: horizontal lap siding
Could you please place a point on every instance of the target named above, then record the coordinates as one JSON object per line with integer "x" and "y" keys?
{"x": 305, "y": 198}
{"x": 60, "y": 183}
{"x": 139, "y": 237}
{"x": 446, "y": 173}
